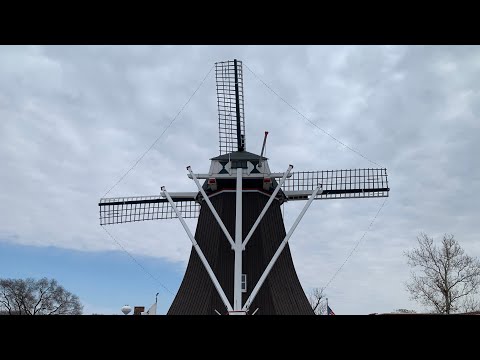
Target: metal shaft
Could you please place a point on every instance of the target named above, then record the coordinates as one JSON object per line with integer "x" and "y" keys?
{"x": 237, "y": 283}
{"x": 210, "y": 205}
{"x": 267, "y": 205}
{"x": 263, "y": 148}
{"x": 199, "y": 252}
{"x": 279, "y": 251}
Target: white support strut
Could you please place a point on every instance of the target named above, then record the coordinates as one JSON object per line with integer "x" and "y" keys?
{"x": 279, "y": 251}
{"x": 237, "y": 280}
{"x": 199, "y": 252}
{"x": 210, "y": 205}
{"x": 267, "y": 205}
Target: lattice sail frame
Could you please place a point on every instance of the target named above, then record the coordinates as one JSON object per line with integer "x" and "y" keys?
{"x": 337, "y": 184}
{"x": 227, "y": 105}
{"x": 140, "y": 208}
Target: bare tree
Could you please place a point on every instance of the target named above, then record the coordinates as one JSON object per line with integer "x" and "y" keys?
{"x": 447, "y": 277}
{"x": 470, "y": 304}
{"x": 317, "y": 301}
{"x": 37, "y": 297}
{"x": 405, "y": 311}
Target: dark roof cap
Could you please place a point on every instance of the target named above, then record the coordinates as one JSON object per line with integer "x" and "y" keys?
{"x": 239, "y": 155}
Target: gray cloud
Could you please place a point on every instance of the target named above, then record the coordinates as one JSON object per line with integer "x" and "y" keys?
{"x": 74, "y": 119}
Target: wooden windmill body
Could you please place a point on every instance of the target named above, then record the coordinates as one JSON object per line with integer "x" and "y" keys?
{"x": 240, "y": 261}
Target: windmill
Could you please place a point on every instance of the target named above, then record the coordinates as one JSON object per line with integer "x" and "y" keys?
{"x": 240, "y": 262}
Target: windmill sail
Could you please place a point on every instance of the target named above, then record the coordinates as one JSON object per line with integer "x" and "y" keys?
{"x": 140, "y": 208}
{"x": 231, "y": 117}
{"x": 337, "y": 184}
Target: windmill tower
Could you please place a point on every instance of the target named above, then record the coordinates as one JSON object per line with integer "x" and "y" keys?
{"x": 240, "y": 261}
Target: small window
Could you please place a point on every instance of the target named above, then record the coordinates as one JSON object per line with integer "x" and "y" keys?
{"x": 244, "y": 282}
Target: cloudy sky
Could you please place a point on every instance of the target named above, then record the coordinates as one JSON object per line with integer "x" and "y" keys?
{"x": 74, "y": 119}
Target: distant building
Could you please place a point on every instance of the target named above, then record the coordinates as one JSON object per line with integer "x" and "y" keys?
{"x": 137, "y": 310}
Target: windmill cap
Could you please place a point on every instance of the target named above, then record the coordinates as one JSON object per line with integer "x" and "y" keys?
{"x": 239, "y": 155}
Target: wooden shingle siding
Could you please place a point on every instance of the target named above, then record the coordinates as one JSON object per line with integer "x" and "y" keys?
{"x": 280, "y": 294}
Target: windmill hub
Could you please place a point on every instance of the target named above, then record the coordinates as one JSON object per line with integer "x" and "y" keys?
{"x": 240, "y": 256}
{"x": 223, "y": 174}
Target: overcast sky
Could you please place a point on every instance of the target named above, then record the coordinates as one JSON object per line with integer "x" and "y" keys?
{"x": 74, "y": 119}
